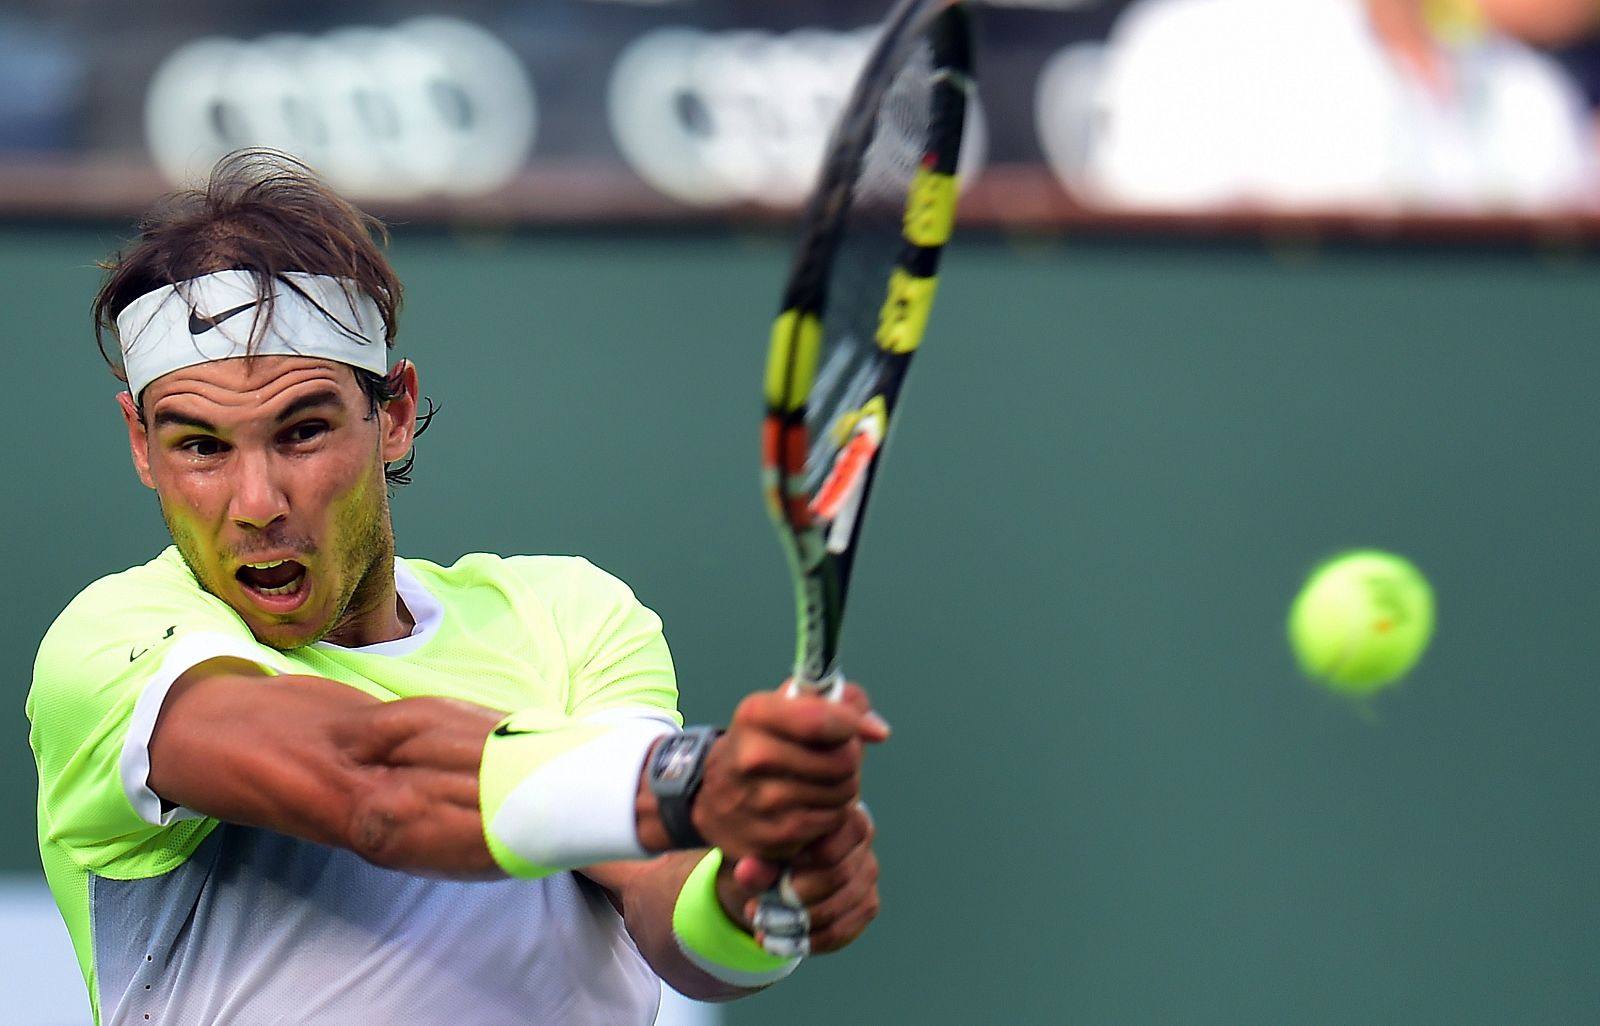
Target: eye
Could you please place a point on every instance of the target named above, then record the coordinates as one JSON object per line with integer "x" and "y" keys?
{"x": 202, "y": 446}
{"x": 305, "y": 431}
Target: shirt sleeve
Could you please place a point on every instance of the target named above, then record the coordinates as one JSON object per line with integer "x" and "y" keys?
{"x": 101, "y": 675}
{"x": 618, "y": 663}
{"x": 558, "y": 786}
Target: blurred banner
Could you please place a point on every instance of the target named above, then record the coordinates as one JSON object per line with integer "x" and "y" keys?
{"x": 627, "y": 106}
{"x": 628, "y": 110}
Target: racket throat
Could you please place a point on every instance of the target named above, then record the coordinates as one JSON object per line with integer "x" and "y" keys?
{"x": 830, "y": 686}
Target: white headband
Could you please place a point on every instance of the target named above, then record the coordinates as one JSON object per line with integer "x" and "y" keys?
{"x": 211, "y": 318}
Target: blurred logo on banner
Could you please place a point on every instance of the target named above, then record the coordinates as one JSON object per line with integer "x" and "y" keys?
{"x": 737, "y": 117}
{"x": 434, "y": 105}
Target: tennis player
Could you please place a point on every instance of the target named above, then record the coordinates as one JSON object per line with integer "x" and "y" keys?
{"x": 287, "y": 777}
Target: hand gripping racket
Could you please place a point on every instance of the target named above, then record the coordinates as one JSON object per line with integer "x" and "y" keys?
{"x": 854, "y": 310}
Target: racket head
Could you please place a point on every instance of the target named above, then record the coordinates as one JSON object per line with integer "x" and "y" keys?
{"x": 856, "y": 305}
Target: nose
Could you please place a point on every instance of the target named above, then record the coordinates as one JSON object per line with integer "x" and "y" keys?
{"x": 259, "y": 499}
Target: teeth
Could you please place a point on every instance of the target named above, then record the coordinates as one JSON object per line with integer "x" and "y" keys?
{"x": 287, "y": 589}
{"x": 266, "y": 566}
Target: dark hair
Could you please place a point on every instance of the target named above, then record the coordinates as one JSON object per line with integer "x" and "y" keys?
{"x": 267, "y": 213}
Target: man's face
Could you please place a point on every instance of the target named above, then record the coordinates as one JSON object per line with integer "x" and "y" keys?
{"x": 270, "y": 476}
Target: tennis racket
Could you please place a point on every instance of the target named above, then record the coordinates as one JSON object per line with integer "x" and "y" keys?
{"x": 854, "y": 310}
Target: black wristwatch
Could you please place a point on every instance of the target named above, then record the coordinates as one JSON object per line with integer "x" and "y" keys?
{"x": 676, "y": 767}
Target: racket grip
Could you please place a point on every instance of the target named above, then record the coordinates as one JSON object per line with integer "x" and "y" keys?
{"x": 781, "y": 920}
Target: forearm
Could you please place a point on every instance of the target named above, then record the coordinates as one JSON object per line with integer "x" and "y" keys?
{"x": 439, "y": 786}
{"x": 648, "y": 894}
{"x": 395, "y": 782}
{"x": 407, "y": 784}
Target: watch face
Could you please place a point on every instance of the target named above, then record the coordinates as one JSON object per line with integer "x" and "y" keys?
{"x": 677, "y": 759}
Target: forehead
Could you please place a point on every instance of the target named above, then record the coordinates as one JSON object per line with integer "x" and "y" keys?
{"x": 243, "y": 386}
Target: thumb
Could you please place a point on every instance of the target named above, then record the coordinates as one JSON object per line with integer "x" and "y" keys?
{"x": 755, "y": 874}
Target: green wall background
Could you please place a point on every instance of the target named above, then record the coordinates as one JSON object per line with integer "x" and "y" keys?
{"x": 1110, "y": 797}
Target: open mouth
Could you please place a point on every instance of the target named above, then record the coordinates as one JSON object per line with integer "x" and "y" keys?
{"x": 278, "y": 578}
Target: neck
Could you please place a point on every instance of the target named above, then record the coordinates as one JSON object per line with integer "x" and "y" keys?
{"x": 375, "y": 612}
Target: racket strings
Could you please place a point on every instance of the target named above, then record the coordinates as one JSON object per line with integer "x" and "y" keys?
{"x": 851, "y": 369}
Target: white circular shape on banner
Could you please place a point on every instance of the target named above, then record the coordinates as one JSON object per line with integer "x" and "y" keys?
{"x": 433, "y": 106}
{"x": 658, "y": 120}
{"x": 485, "y": 99}
{"x": 183, "y": 112}
{"x": 1068, "y": 112}
{"x": 732, "y": 117}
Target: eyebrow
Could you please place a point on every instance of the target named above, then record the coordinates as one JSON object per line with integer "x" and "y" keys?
{"x": 312, "y": 400}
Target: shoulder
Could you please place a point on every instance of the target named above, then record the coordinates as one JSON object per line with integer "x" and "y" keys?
{"x": 166, "y": 573}
{"x": 555, "y": 580}
{"x": 1530, "y": 75}
{"x": 120, "y": 629}
{"x": 130, "y": 603}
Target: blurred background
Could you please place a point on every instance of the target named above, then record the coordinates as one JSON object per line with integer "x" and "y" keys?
{"x": 1240, "y": 283}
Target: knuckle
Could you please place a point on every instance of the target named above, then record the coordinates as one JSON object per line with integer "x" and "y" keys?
{"x": 749, "y": 760}
{"x": 842, "y": 763}
{"x": 771, "y": 837}
{"x": 769, "y": 799}
{"x": 748, "y": 712}
{"x": 829, "y": 852}
{"x": 837, "y": 878}
{"x": 827, "y": 821}
{"x": 827, "y": 724}
{"x": 850, "y": 757}
{"x": 842, "y": 796}
{"x": 806, "y": 716}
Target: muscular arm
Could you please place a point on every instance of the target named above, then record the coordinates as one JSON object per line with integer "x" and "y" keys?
{"x": 396, "y": 782}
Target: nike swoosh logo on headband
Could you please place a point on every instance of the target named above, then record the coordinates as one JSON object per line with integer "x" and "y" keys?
{"x": 199, "y": 323}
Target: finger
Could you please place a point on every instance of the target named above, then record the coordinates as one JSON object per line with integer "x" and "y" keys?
{"x": 843, "y": 861}
{"x": 776, "y": 797}
{"x": 755, "y": 875}
{"x": 839, "y": 918}
{"x": 725, "y": 797}
{"x": 838, "y": 846}
{"x": 874, "y": 728}
{"x": 807, "y": 720}
{"x": 759, "y": 754}
{"x": 846, "y": 928}
{"x": 816, "y": 884}
{"x": 775, "y": 839}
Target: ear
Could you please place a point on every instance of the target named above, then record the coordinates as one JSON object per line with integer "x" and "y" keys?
{"x": 397, "y": 418}
{"x": 138, "y": 440}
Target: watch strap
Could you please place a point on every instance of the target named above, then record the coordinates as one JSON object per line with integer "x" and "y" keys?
{"x": 677, "y": 768}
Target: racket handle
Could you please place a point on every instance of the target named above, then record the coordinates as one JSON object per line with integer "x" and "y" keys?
{"x": 782, "y": 922}
{"x": 781, "y": 919}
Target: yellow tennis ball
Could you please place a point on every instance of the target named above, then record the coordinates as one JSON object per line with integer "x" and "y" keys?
{"x": 1362, "y": 620}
